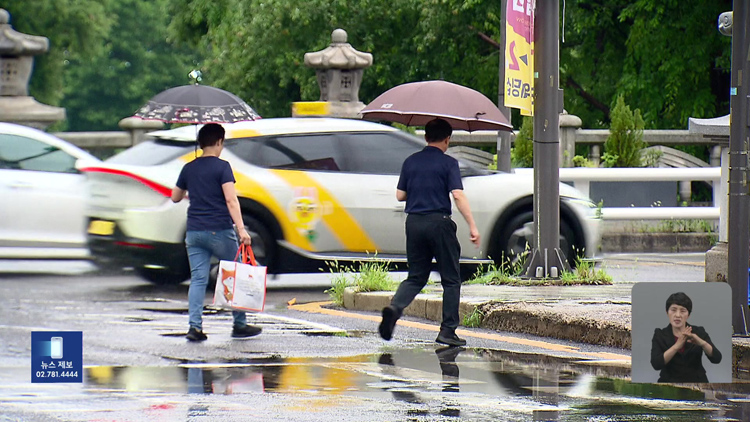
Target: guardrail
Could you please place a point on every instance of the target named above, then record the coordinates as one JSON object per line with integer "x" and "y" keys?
{"x": 581, "y": 177}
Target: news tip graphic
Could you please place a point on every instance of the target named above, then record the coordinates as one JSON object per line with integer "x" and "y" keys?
{"x": 56, "y": 356}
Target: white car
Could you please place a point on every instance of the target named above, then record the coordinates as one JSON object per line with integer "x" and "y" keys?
{"x": 42, "y": 195}
{"x": 311, "y": 190}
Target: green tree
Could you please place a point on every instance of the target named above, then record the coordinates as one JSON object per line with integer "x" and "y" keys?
{"x": 75, "y": 28}
{"x": 665, "y": 56}
{"x": 136, "y": 62}
{"x": 256, "y": 48}
{"x": 522, "y": 153}
{"x": 625, "y": 142}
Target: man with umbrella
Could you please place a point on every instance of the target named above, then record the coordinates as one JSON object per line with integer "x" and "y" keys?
{"x": 427, "y": 179}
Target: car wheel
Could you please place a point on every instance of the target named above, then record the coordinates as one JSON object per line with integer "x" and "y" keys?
{"x": 515, "y": 239}
{"x": 263, "y": 247}
{"x": 263, "y": 243}
{"x": 162, "y": 277}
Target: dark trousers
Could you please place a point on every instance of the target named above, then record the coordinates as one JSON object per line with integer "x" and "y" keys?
{"x": 432, "y": 236}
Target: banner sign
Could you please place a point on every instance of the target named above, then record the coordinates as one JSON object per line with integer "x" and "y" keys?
{"x": 519, "y": 56}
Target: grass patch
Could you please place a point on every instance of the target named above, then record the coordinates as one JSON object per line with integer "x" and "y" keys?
{"x": 363, "y": 277}
{"x": 585, "y": 273}
{"x": 473, "y": 320}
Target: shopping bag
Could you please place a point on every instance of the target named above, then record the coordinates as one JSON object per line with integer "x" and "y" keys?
{"x": 241, "y": 285}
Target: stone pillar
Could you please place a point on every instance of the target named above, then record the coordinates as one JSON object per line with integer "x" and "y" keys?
{"x": 17, "y": 53}
{"x": 569, "y": 124}
{"x": 137, "y": 127}
{"x": 595, "y": 154}
{"x": 339, "y": 69}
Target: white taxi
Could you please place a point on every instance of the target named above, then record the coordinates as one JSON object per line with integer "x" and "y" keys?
{"x": 312, "y": 190}
{"x": 42, "y": 195}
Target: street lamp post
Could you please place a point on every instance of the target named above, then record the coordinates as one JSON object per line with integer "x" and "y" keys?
{"x": 547, "y": 259}
{"x": 739, "y": 140}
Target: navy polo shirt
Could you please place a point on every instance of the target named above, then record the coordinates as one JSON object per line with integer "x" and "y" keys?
{"x": 202, "y": 178}
{"x": 428, "y": 177}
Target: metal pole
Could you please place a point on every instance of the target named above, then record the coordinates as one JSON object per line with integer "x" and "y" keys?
{"x": 739, "y": 238}
{"x": 547, "y": 260}
{"x": 503, "y": 136}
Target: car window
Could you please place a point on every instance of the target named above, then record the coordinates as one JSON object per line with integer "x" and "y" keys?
{"x": 22, "y": 153}
{"x": 153, "y": 152}
{"x": 378, "y": 153}
{"x": 245, "y": 148}
{"x": 300, "y": 152}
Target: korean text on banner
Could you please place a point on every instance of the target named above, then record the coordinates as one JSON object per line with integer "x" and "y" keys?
{"x": 519, "y": 56}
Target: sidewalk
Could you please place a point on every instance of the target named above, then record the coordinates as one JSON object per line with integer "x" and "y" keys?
{"x": 588, "y": 314}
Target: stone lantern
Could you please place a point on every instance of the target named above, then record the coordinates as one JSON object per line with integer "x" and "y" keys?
{"x": 16, "y": 63}
{"x": 339, "y": 69}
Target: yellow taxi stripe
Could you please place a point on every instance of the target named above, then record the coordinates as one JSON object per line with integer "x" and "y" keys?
{"x": 317, "y": 308}
{"x": 241, "y": 133}
{"x": 342, "y": 224}
{"x": 249, "y": 188}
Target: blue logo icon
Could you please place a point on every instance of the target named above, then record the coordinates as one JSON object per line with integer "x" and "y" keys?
{"x": 56, "y": 356}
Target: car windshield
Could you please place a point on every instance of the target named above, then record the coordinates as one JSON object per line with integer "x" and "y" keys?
{"x": 152, "y": 152}
{"x": 469, "y": 169}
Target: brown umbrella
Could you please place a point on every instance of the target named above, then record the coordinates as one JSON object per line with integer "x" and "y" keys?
{"x": 416, "y": 103}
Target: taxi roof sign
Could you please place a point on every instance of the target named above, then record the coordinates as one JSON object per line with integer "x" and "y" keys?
{"x": 311, "y": 108}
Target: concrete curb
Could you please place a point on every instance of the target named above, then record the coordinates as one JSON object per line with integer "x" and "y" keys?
{"x": 515, "y": 317}
{"x": 657, "y": 242}
{"x": 512, "y": 317}
{"x": 535, "y": 318}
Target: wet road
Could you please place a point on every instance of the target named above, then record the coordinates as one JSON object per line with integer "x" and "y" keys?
{"x": 310, "y": 366}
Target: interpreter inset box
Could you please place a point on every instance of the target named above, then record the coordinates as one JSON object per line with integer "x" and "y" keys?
{"x": 681, "y": 333}
{"x": 56, "y": 356}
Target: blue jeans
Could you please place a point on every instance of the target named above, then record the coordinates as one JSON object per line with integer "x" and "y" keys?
{"x": 201, "y": 245}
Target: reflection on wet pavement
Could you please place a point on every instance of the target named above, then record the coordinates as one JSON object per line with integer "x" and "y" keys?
{"x": 445, "y": 382}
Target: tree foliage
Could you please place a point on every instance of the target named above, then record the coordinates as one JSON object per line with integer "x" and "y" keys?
{"x": 256, "y": 48}
{"x": 625, "y": 141}
{"x": 665, "y": 57}
{"x": 106, "y": 57}
{"x": 136, "y": 62}
{"x": 74, "y": 27}
{"x": 522, "y": 153}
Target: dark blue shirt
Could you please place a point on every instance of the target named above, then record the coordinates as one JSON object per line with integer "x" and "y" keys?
{"x": 202, "y": 178}
{"x": 428, "y": 177}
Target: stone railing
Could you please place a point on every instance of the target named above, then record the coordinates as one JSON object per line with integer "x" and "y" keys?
{"x": 106, "y": 144}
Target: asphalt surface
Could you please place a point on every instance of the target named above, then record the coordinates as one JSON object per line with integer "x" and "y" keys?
{"x": 318, "y": 363}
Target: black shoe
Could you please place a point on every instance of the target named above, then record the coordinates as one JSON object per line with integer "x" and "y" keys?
{"x": 448, "y": 354}
{"x": 195, "y": 334}
{"x": 390, "y": 316}
{"x": 450, "y": 338}
{"x": 386, "y": 359}
{"x": 246, "y": 331}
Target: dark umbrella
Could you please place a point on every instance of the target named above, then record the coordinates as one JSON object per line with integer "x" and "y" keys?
{"x": 416, "y": 103}
{"x": 196, "y": 104}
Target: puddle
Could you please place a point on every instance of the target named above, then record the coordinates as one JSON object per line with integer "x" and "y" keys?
{"x": 550, "y": 388}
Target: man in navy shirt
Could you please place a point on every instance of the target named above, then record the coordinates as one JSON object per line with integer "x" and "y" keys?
{"x": 427, "y": 179}
{"x": 213, "y": 208}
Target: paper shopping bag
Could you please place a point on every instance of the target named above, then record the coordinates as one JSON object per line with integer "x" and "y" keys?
{"x": 241, "y": 285}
